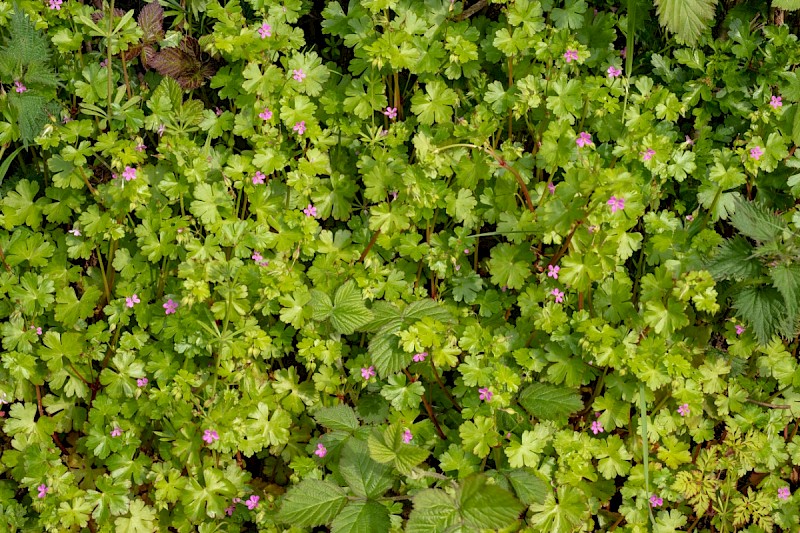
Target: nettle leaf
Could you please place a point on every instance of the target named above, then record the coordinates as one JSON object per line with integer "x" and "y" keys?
{"x": 312, "y": 503}
{"x": 365, "y": 476}
{"x": 686, "y": 18}
{"x": 786, "y": 278}
{"x": 763, "y": 307}
{"x": 757, "y": 222}
{"x": 549, "y": 402}
{"x": 734, "y": 259}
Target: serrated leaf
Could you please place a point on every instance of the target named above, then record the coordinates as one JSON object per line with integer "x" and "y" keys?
{"x": 734, "y": 260}
{"x": 762, "y": 307}
{"x": 487, "y": 506}
{"x": 756, "y": 221}
{"x": 686, "y": 18}
{"x": 789, "y": 5}
{"x": 312, "y": 503}
{"x": 434, "y": 511}
{"x": 349, "y": 312}
{"x": 786, "y": 278}
{"x": 549, "y": 402}
{"x": 365, "y": 476}
{"x": 529, "y": 487}
{"x": 151, "y": 20}
{"x": 339, "y": 417}
{"x": 387, "y": 447}
{"x": 362, "y": 517}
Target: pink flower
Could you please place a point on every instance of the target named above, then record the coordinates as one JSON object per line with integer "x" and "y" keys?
{"x": 368, "y": 372}
{"x": 56, "y": 4}
{"x": 256, "y": 257}
{"x": 129, "y": 174}
{"x": 648, "y": 154}
{"x": 655, "y": 501}
{"x": 210, "y": 436}
{"x": 252, "y": 502}
{"x": 784, "y": 493}
{"x": 230, "y": 509}
{"x": 321, "y": 451}
{"x": 142, "y": 382}
{"x": 38, "y": 332}
{"x": 407, "y": 436}
{"x": 116, "y": 432}
{"x": 104, "y": 63}
{"x": 617, "y": 204}
{"x": 584, "y": 139}
{"x": 218, "y": 111}
{"x": 558, "y": 294}
{"x": 551, "y": 187}
{"x": 258, "y": 178}
{"x": 613, "y": 72}
{"x": 756, "y": 153}
{"x": 298, "y": 75}
{"x": 43, "y": 490}
{"x": 132, "y": 300}
{"x": 390, "y": 112}
{"x": 170, "y": 307}
{"x": 624, "y": 52}
{"x": 683, "y": 410}
{"x": 485, "y": 394}
{"x": 597, "y": 427}
{"x": 688, "y": 140}
{"x": 19, "y": 87}
{"x": 310, "y": 211}
{"x": 776, "y": 102}
{"x": 740, "y": 329}
{"x": 161, "y": 130}
{"x": 266, "y": 114}
{"x": 689, "y": 217}
{"x": 466, "y": 251}
{"x": 300, "y": 127}
{"x": 552, "y": 271}
{"x": 571, "y": 55}
{"x": 420, "y": 357}
{"x": 141, "y": 147}
{"x": 265, "y": 31}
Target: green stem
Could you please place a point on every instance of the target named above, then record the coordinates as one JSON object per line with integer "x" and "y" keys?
{"x": 645, "y": 447}
{"x": 109, "y": 67}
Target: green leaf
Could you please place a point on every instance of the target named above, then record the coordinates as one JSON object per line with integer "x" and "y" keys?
{"x": 365, "y": 476}
{"x": 403, "y": 395}
{"x": 339, "y": 417}
{"x": 362, "y": 517}
{"x": 762, "y": 307}
{"x": 686, "y": 18}
{"x": 388, "y": 448}
{"x": 563, "y": 514}
{"x": 529, "y": 487}
{"x": 349, "y": 312}
{"x": 549, "y": 402}
{"x": 485, "y": 505}
{"x": 434, "y": 511}
{"x": 734, "y": 259}
{"x": 140, "y": 520}
{"x": 789, "y": 5}
{"x": 786, "y": 278}
{"x": 435, "y": 106}
{"x": 757, "y": 222}
{"x": 312, "y": 503}
{"x": 510, "y": 265}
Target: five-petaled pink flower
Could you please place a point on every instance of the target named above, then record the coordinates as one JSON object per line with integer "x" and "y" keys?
{"x": 613, "y": 72}
{"x": 321, "y": 451}
{"x": 43, "y": 490}
{"x": 784, "y": 493}
{"x": 210, "y": 436}
{"x": 617, "y": 204}
{"x": 368, "y": 372}
{"x": 129, "y": 174}
{"x": 558, "y": 294}
{"x": 683, "y": 409}
{"x": 740, "y": 329}
{"x": 756, "y": 153}
{"x": 571, "y": 55}
{"x": 257, "y": 257}
{"x": 130, "y": 301}
{"x": 170, "y": 306}
{"x": 310, "y": 211}
{"x": 266, "y": 114}
{"x": 258, "y": 178}
{"x": 265, "y": 31}
{"x": 551, "y": 187}
{"x": 776, "y": 102}
{"x": 648, "y": 154}
{"x": 420, "y": 357}
{"x": 230, "y": 509}
{"x": 116, "y": 432}
{"x": 597, "y": 427}
{"x": 38, "y": 331}
{"x": 142, "y": 382}
{"x": 390, "y": 112}
{"x": 584, "y": 139}
{"x": 552, "y": 271}
{"x": 252, "y": 502}
{"x": 300, "y": 127}
{"x": 485, "y": 394}
{"x": 56, "y": 4}
{"x": 407, "y": 436}
{"x": 19, "y": 87}
{"x": 298, "y": 74}
{"x": 655, "y": 501}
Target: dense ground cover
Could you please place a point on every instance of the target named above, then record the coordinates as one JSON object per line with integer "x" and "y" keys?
{"x": 399, "y": 265}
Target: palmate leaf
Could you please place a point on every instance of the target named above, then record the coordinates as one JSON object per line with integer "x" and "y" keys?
{"x": 387, "y": 447}
{"x": 686, "y": 18}
{"x": 549, "y": 402}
